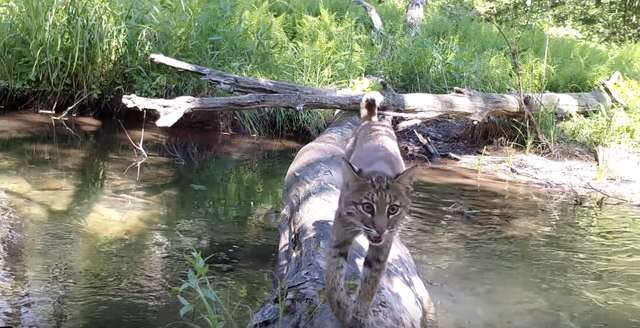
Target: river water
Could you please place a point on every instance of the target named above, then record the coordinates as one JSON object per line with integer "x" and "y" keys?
{"x": 89, "y": 240}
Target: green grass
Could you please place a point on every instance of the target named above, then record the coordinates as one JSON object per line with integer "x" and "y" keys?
{"x": 100, "y": 48}
{"x": 201, "y": 305}
{"x": 614, "y": 126}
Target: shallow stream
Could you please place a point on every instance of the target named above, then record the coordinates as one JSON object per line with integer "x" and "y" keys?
{"x": 89, "y": 238}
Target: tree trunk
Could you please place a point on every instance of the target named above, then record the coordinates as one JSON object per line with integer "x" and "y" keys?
{"x": 415, "y": 15}
{"x": 310, "y": 194}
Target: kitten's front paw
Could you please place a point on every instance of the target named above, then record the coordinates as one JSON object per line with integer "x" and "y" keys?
{"x": 356, "y": 322}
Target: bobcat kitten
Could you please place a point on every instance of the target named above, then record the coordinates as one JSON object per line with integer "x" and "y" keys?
{"x": 374, "y": 200}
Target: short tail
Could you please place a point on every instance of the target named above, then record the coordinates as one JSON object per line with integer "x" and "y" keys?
{"x": 369, "y": 106}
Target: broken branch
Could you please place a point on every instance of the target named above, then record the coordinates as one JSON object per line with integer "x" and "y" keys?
{"x": 378, "y": 28}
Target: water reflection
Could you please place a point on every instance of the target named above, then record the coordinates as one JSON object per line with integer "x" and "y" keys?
{"x": 87, "y": 244}
{"x": 500, "y": 255}
{"x": 101, "y": 248}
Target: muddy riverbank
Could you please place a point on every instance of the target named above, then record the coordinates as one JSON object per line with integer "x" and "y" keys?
{"x": 570, "y": 169}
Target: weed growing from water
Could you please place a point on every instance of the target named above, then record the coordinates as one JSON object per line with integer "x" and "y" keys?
{"x": 200, "y": 302}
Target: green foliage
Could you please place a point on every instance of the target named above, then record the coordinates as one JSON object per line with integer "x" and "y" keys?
{"x": 606, "y": 20}
{"x": 199, "y": 299}
{"x": 614, "y": 126}
{"x": 101, "y": 47}
{"x": 60, "y": 45}
{"x": 617, "y": 125}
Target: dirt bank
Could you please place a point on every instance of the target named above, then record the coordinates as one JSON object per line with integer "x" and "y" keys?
{"x": 571, "y": 169}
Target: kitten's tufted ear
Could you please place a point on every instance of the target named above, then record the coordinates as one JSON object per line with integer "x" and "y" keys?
{"x": 352, "y": 172}
{"x": 407, "y": 177}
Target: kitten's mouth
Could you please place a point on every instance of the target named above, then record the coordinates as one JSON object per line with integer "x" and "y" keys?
{"x": 377, "y": 240}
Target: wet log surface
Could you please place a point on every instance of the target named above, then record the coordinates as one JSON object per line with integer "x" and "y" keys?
{"x": 310, "y": 195}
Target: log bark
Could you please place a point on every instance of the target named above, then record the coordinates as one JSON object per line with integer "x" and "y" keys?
{"x": 310, "y": 195}
{"x": 171, "y": 110}
{"x": 467, "y": 103}
{"x": 236, "y": 83}
{"x": 264, "y": 93}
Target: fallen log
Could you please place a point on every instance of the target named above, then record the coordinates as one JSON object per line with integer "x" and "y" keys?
{"x": 310, "y": 196}
{"x": 272, "y": 94}
{"x": 171, "y": 110}
{"x": 472, "y": 104}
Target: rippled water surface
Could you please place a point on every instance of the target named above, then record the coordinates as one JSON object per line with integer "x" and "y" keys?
{"x": 89, "y": 240}
{"x": 499, "y": 255}
{"x": 95, "y": 247}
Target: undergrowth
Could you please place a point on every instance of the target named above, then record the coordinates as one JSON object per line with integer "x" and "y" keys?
{"x": 99, "y": 49}
{"x": 615, "y": 126}
{"x": 201, "y": 304}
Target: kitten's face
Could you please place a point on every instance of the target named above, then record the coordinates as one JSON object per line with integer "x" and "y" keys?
{"x": 376, "y": 204}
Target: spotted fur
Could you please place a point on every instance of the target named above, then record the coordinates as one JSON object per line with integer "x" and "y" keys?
{"x": 374, "y": 201}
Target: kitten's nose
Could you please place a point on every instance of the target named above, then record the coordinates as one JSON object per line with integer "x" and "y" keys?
{"x": 375, "y": 239}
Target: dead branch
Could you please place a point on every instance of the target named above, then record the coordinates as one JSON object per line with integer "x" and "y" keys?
{"x": 273, "y": 94}
{"x": 515, "y": 63}
{"x": 378, "y": 28}
{"x": 236, "y": 83}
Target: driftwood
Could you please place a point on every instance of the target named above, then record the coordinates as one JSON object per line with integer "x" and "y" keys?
{"x": 310, "y": 194}
{"x": 269, "y": 94}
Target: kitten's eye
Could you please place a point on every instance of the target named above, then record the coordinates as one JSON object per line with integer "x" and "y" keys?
{"x": 368, "y": 208}
{"x": 393, "y": 209}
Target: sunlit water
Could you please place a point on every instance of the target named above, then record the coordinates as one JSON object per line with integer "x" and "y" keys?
{"x": 94, "y": 243}
{"x": 498, "y": 255}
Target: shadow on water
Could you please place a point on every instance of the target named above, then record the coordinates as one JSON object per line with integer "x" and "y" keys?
{"x": 102, "y": 249}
